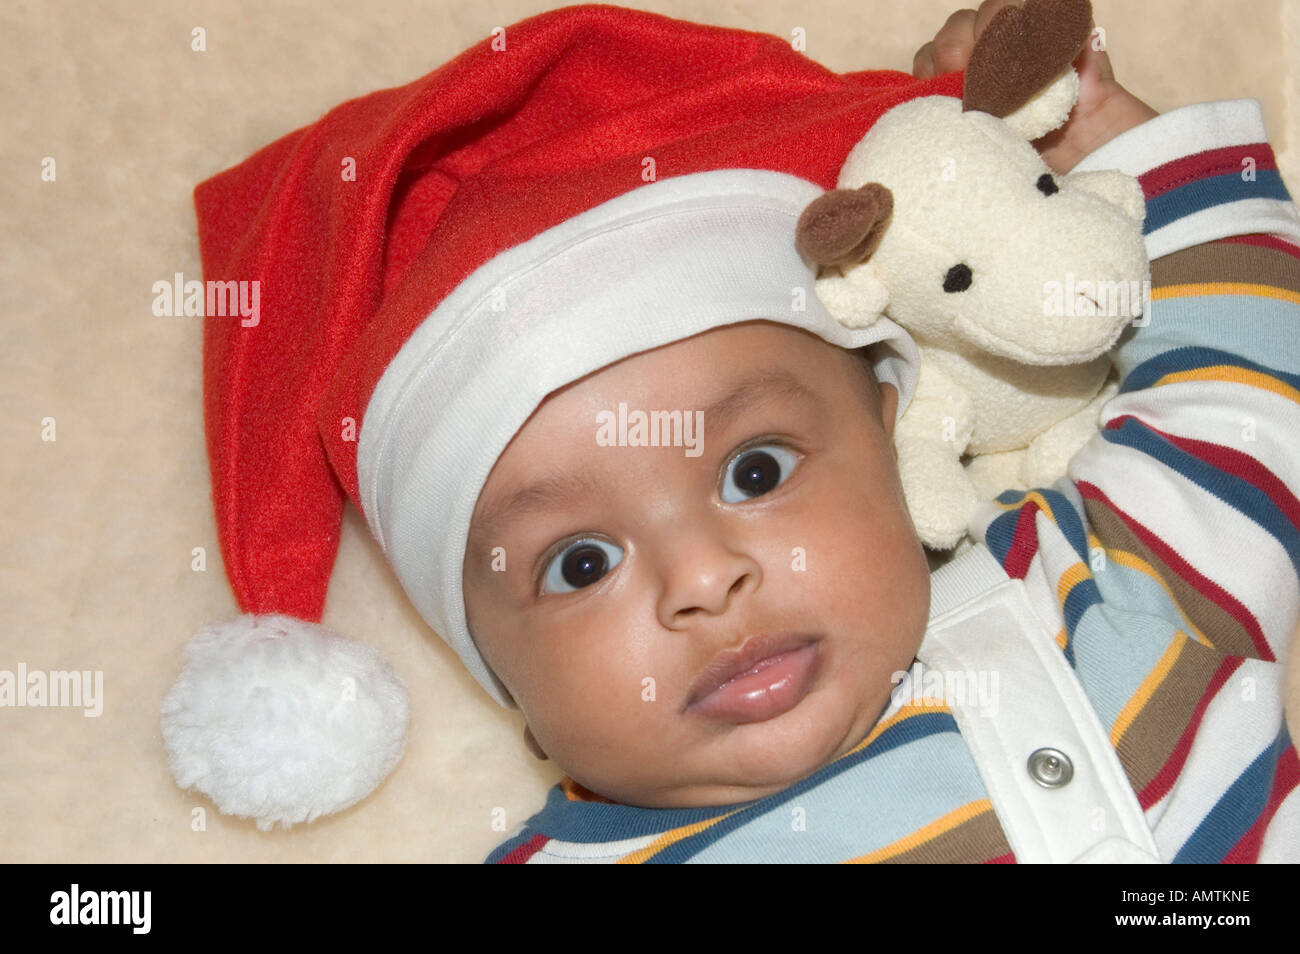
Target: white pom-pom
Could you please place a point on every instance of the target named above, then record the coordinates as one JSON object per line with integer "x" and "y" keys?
{"x": 282, "y": 720}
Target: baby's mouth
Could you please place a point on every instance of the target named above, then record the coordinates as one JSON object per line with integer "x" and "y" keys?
{"x": 765, "y": 677}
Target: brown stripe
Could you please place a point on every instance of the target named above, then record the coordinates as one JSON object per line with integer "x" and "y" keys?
{"x": 1225, "y": 633}
{"x": 974, "y": 841}
{"x": 1152, "y": 735}
{"x": 1226, "y": 262}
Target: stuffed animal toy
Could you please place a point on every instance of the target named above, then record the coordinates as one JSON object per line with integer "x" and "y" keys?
{"x": 1013, "y": 281}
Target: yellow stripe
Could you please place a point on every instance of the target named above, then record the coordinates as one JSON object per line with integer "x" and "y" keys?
{"x": 1228, "y": 372}
{"x": 1135, "y": 562}
{"x": 1013, "y": 505}
{"x": 1074, "y": 574}
{"x": 570, "y": 789}
{"x": 1193, "y": 289}
{"x": 930, "y": 832}
{"x": 669, "y": 838}
{"x": 1148, "y": 687}
{"x": 1033, "y": 495}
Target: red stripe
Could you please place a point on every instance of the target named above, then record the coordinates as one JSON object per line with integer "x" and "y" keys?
{"x": 1024, "y": 542}
{"x": 525, "y": 851}
{"x": 1232, "y": 462}
{"x": 1163, "y": 780}
{"x": 1264, "y": 241}
{"x": 1008, "y": 859}
{"x": 1207, "y": 587}
{"x": 1202, "y": 165}
{"x": 1285, "y": 778}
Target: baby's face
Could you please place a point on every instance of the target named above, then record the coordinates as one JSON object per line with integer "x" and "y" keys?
{"x": 637, "y": 572}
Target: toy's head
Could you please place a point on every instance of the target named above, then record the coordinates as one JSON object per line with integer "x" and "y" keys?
{"x": 947, "y": 218}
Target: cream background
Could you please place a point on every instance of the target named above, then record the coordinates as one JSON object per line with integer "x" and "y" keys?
{"x": 98, "y": 527}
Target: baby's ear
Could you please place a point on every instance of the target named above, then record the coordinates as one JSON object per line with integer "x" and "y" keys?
{"x": 531, "y": 742}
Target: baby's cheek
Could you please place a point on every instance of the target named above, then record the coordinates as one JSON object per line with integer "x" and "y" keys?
{"x": 843, "y": 548}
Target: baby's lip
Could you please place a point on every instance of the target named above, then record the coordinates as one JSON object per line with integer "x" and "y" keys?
{"x": 733, "y": 663}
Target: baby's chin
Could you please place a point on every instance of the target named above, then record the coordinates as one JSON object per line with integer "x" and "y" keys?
{"x": 747, "y": 762}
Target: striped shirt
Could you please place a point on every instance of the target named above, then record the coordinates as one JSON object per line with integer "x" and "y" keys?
{"x": 1145, "y": 601}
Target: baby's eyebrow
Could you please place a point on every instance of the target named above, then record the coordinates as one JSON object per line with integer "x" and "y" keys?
{"x": 757, "y": 387}
{"x": 547, "y": 493}
{"x": 553, "y": 491}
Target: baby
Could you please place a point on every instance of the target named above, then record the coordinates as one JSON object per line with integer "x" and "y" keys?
{"x": 685, "y": 632}
{"x": 590, "y": 218}
{"x": 703, "y": 630}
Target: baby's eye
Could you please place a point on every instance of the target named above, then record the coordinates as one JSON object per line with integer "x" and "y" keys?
{"x": 757, "y": 470}
{"x": 580, "y": 564}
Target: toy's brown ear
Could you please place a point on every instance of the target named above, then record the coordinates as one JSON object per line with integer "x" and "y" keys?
{"x": 844, "y": 226}
{"x": 1021, "y": 51}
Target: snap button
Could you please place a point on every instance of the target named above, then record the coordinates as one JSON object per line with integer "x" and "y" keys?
{"x": 1050, "y": 768}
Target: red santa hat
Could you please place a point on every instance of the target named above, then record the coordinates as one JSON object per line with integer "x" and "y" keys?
{"x": 432, "y": 261}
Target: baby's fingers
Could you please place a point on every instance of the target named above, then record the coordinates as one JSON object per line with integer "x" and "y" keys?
{"x": 951, "y": 47}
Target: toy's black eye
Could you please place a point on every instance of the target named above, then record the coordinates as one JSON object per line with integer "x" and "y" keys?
{"x": 957, "y": 279}
{"x": 1047, "y": 185}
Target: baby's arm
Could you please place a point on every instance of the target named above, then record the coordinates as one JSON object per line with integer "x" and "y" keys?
{"x": 1169, "y": 556}
{"x": 1196, "y": 467}
{"x": 1195, "y": 475}
{"x": 1172, "y": 547}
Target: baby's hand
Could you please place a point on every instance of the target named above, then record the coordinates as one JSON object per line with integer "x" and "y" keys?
{"x": 1104, "y": 109}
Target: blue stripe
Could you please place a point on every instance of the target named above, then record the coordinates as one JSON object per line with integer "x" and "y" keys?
{"x": 1002, "y": 530}
{"x": 1201, "y": 194}
{"x": 1261, "y": 330}
{"x": 909, "y": 730}
{"x": 1238, "y": 809}
{"x": 828, "y": 824}
{"x": 1175, "y": 360}
{"x": 1081, "y": 596}
{"x": 1236, "y": 492}
{"x": 1118, "y": 647}
{"x": 593, "y": 823}
{"x": 1068, "y": 520}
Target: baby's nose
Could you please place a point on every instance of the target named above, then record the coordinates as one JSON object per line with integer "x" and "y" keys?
{"x": 703, "y": 575}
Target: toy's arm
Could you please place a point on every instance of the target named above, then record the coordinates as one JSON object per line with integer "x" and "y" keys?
{"x": 929, "y": 440}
